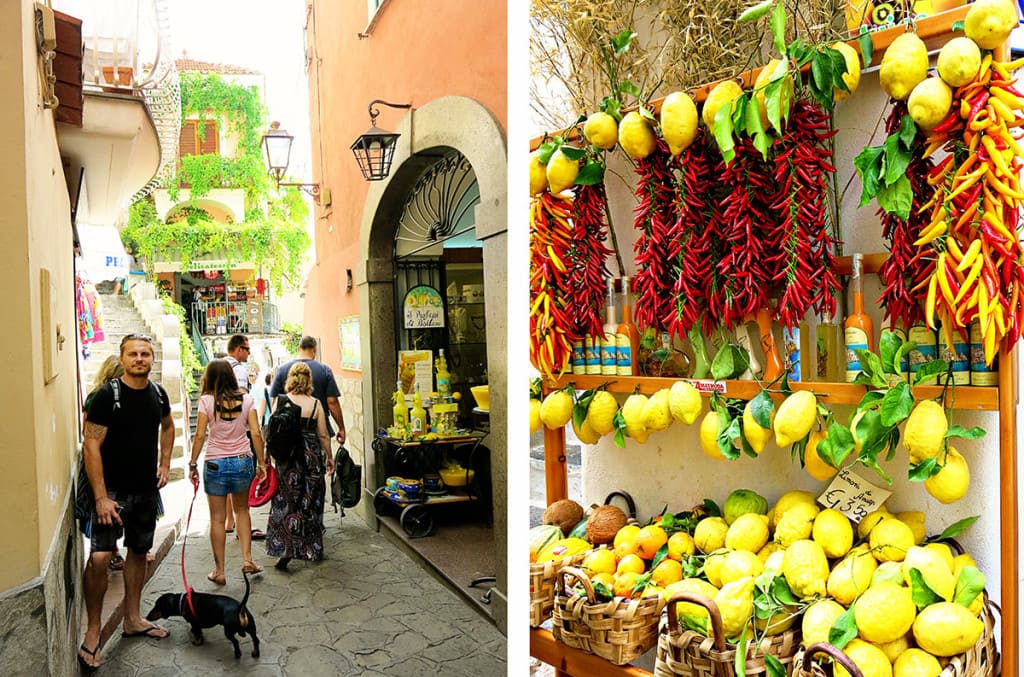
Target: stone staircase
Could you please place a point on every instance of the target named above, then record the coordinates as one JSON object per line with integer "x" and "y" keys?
{"x": 120, "y": 318}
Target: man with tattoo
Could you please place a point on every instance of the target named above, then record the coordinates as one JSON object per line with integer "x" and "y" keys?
{"x": 129, "y": 420}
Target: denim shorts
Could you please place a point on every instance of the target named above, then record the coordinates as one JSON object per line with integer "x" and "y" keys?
{"x": 228, "y": 475}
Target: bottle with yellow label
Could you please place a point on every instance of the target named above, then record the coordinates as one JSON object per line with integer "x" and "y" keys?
{"x": 859, "y": 329}
{"x": 418, "y": 415}
{"x": 401, "y": 414}
{"x": 444, "y": 379}
{"x": 981, "y": 373}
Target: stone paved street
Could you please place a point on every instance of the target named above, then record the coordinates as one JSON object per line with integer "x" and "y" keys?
{"x": 365, "y": 610}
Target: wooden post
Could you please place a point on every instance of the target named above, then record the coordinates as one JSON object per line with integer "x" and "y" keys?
{"x": 1009, "y": 541}
{"x": 556, "y": 475}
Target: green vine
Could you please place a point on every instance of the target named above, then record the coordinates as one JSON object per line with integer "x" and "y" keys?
{"x": 292, "y": 335}
{"x": 189, "y": 359}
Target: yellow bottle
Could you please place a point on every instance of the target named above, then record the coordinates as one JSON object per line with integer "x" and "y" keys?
{"x": 444, "y": 379}
{"x": 418, "y": 415}
{"x": 401, "y": 414}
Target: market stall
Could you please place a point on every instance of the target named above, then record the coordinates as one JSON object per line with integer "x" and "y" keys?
{"x": 743, "y": 415}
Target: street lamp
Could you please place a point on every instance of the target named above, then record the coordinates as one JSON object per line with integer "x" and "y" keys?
{"x": 375, "y": 148}
{"x": 277, "y": 145}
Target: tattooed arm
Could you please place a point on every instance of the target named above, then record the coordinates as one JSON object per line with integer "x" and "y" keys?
{"x": 106, "y": 508}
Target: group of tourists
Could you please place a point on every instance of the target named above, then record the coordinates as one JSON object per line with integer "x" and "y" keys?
{"x": 129, "y": 434}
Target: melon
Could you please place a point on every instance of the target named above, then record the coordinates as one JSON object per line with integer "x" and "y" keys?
{"x": 541, "y": 537}
{"x": 565, "y": 547}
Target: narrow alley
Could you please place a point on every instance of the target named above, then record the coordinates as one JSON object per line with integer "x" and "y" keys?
{"x": 366, "y": 609}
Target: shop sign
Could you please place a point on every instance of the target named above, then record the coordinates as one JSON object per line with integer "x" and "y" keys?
{"x": 416, "y": 367}
{"x": 853, "y": 496}
{"x": 348, "y": 339}
{"x": 423, "y": 308}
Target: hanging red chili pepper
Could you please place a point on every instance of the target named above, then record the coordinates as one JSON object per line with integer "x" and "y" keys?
{"x": 654, "y": 246}
{"x": 552, "y": 330}
{"x": 588, "y": 254}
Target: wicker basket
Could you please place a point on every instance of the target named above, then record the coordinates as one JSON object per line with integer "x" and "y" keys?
{"x": 981, "y": 660}
{"x": 542, "y": 586}
{"x": 687, "y": 653}
{"x": 619, "y": 631}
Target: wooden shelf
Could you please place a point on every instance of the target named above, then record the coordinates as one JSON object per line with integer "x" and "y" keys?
{"x": 569, "y": 661}
{"x": 978, "y": 398}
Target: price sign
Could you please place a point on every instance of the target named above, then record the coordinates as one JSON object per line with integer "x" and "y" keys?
{"x": 853, "y": 496}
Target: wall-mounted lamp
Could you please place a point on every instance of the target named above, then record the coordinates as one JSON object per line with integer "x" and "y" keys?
{"x": 348, "y": 279}
{"x": 277, "y": 145}
{"x": 375, "y": 148}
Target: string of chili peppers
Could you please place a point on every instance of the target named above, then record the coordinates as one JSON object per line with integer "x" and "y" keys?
{"x": 906, "y": 271}
{"x": 654, "y": 246}
{"x": 588, "y": 253}
{"x": 552, "y": 330}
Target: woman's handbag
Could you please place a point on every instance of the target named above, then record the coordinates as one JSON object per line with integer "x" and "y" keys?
{"x": 261, "y": 492}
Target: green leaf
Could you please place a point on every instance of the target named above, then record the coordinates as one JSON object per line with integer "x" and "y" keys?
{"x": 922, "y": 593}
{"x": 739, "y": 114}
{"x": 729, "y": 429}
{"x": 896, "y": 405}
{"x": 839, "y": 445}
{"x": 619, "y": 421}
{"x": 839, "y": 68}
{"x": 957, "y": 528}
{"x": 579, "y": 412}
{"x": 969, "y": 584}
{"x": 867, "y": 48}
{"x": 627, "y": 87}
{"x": 872, "y": 434}
{"x": 782, "y": 592}
{"x": 740, "y": 660}
{"x": 974, "y": 433}
{"x": 711, "y": 508}
{"x": 778, "y": 22}
{"x": 821, "y": 71}
{"x": 755, "y": 12}
{"x": 659, "y": 556}
{"x": 548, "y": 149}
{"x": 869, "y": 166}
{"x": 928, "y": 370}
{"x": 573, "y": 153}
{"x": 761, "y": 408}
{"x": 646, "y": 113}
{"x": 621, "y": 42}
{"x": 752, "y": 118}
{"x": 957, "y": 26}
{"x": 921, "y": 471}
{"x": 612, "y": 106}
{"x": 723, "y": 133}
{"x": 773, "y": 665}
{"x": 897, "y": 198}
{"x": 871, "y": 366}
{"x": 897, "y": 159}
{"x": 843, "y": 630}
{"x": 603, "y": 592}
{"x": 908, "y": 132}
{"x": 902, "y": 354}
{"x": 888, "y": 347}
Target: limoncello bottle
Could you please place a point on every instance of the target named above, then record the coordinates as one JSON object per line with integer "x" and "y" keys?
{"x": 418, "y": 415}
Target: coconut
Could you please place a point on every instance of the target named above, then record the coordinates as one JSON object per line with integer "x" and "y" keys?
{"x": 564, "y": 514}
{"x": 605, "y": 521}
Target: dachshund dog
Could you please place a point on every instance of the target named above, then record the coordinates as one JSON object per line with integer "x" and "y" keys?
{"x": 207, "y": 611}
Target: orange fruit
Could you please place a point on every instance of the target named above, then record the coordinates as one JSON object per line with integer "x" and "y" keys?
{"x": 604, "y": 579}
{"x": 680, "y": 544}
{"x": 668, "y": 571}
{"x": 649, "y": 540}
{"x": 625, "y": 541}
{"x": 631, "y": 564}
{"x": 624, "y": 583}
{"x": 599, "y": 562}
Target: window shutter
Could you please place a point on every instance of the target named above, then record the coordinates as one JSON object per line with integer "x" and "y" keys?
{"x": 187, "y": 140}
{"x": 210, "y": 142}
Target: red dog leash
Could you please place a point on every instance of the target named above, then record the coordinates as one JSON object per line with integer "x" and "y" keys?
{"x": 184, "y": 578}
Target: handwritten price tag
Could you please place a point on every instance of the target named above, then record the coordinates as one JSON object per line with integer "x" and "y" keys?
{"x": 853, "y": 496}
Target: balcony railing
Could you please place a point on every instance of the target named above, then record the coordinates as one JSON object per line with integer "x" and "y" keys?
{"x": 128, "y": 50}
{"x": 211, "y": 318}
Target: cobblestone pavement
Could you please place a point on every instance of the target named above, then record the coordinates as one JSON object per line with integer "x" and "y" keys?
{"x": 365, "y": 610}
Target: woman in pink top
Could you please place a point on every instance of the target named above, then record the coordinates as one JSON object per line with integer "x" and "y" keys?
{"x": 228, "y": 413}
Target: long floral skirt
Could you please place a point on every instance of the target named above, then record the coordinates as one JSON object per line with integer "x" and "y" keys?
{"x": 295, "y": 527}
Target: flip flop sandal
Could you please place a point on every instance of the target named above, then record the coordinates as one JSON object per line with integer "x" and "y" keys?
{"x": 116, "y": 563}
{"x": 251, "y": 568}
{"x": 88, "y": 667}
{"x": 219, "y": 580}
{"x": 258, "y": 535}
{"x": 148, "y": 632}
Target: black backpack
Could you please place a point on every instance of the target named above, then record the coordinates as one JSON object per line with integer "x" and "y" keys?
{"x": 283, "y": 432}
{"x": 347, "y": 483}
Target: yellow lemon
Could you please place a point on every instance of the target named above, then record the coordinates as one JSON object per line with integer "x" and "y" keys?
{"x": 951, "y": 482}
{"x": 709, "y": 535}
{"x": 735, "y": 603}
{"x": 601, "y": 412}
{"x": 585, "y": 433}
{"x": 657, "y": 416}
{"x": 624, "y": 583}
{"x": 871, "y": 661}
{"x": 763, "y": 78}
{"x": 805, "y": 568}
{"x": 709, "y": 436}
{"x": 885, "y": 612}
{"x": 925, "y": 431}
{"x": 725, "y": 92}
{"x": 871, "y": 520}
{"x": 795, "y": 417}
{"x": 989, "y": 22}
{"x": 944, "y": 551}
{"x": 929, "y": 102}
{"x": 933, "y": 569}
{"x": 916, "y": 662}
{"x": 895, "y": 648}
{"x": 915, "y": 520}
{"x": 851, "y": 576}
{"x": 815, "y": 466}
{"x": 959, "y": 61}
{"x": 625, "y": 534}
{"x": 607, "y": 580}
{"x": 556, "y": 409}
{"x": 631, "y": 564}
{"x": 797, "y": 524}
{"x": 888, "y": 572}
{"x": 561, "y": 171}
{"x": 600, "y": 561}
{"x": 636, "y": 136}
{"x": 739, "y": 564}
{"x": 756, "y": 435}
{"x": 678, "y": 121}
{"x": 769, "y": 549}
{"x": 713, "y": 565}
{"x": 680, "y": 545}
{"x": 601, "y": 130}
{"x": 667, "y": 572}
{"x": 946, "y": 629}
{"x": 747, "y": 532}
{"x": 535, "y": 422}
{"x": 852, "y": 75}
{"x": 633, "y": 414}
{"x": 890, "y": 540}
{"x": 692, "y": 616}
{"x": 685, "y": 402}
{"x": 538, "y": 175}
{"x": 833, "y": 532}
{"x": 904, "y": 65}
{"x": 819, "y": 619}
{"x": 787, "y": 501}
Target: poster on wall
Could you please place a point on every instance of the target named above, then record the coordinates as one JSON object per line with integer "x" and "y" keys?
{"x": 348, "y": 339}
{"x": 423, "y": 308}
{"x": 416, "y": 366}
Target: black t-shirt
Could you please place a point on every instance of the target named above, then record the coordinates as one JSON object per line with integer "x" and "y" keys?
{"x": 131, "y": 450}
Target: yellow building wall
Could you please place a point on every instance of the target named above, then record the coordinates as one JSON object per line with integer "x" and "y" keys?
{"x": 39, "y": 421}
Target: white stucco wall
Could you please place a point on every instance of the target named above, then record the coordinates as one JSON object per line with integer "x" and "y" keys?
{"x": 671, "y": 469}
